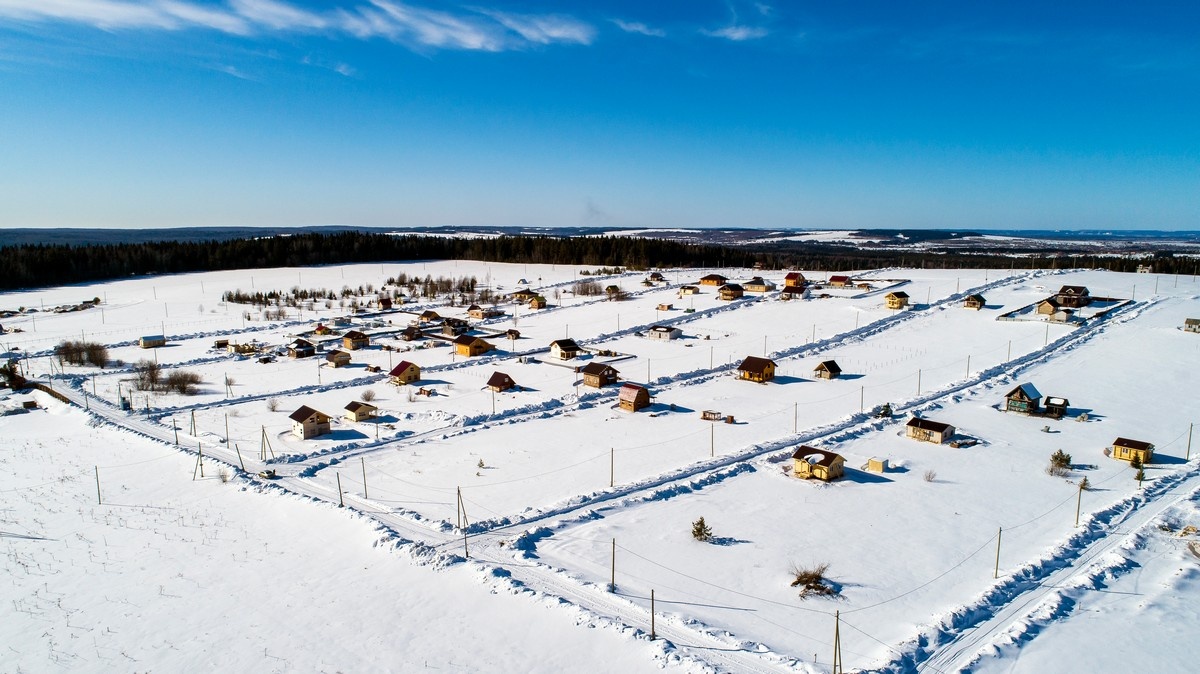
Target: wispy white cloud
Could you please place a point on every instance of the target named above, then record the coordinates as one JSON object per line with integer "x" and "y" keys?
{"x": 639, "y": 28}
{"x": 400, "y": 22}
{"x": 737, "y": 33}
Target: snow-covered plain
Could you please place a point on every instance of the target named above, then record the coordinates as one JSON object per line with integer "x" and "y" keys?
{"x": 552, "y": 478}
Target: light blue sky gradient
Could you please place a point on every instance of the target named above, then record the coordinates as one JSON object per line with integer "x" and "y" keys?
{"x": 160, "y": 113}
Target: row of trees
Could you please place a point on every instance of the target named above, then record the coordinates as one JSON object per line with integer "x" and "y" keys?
{"x": 150, "y": 378}
{"x": 81, "y": 353}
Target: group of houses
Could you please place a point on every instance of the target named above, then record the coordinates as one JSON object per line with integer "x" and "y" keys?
{"x": 310, "y": 423}
{"x": 762, "y": 370}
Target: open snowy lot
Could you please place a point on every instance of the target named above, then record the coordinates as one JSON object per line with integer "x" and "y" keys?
{"x": 543, "y": 487}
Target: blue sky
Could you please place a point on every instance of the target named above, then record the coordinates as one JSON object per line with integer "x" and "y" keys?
{"x": 160, "y": 113}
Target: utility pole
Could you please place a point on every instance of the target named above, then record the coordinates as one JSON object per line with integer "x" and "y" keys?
{"x": 653, "y": 636}
{"x": 612, "y": 576}
{"x": 227, "y": 430}
{"x": 795, "y": 416}
{"x": 612, "y": 467}
{"x": 98, "y": 500}
{"x": 241, "y": 462}
{"x": 996, "y": 571}
{"x": 968, "y": 366}
{"x": 1189, "y": 447}
{"x": 341, "y": 501}
{"x": 176, "y": 429}
{"x": 918, "y": 382}
{"x": 837, "y": 642}
{"x": 1009, "y": 351}
{"x": 1078, "y": 502}
{"x": 364, "y": 469}
{"x": 862, "y": 398}
{"x": 193, "y": 423}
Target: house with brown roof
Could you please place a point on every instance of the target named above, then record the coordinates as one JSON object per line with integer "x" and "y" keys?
{"x": 1024, "y": 399}
{"x": 757, "y": 369}
{"x": 301, "y": 348}
{"x": 794, "y": 279}
{"x": 828, "y": 369}
{"x": 688, "y": 290}
{"x": 411, "y": 333}
{"x": 665, "y": 332}
{"x": 838, "y": 281}
{"x": 1128, "y": 450}
{"x": 730, "y": 291}
{"x": 512, "y": 334}
{"x": 565, "y": 349}
{"x": 470, "y": 345}
{"x": 385, "y": 303}
{"x": 975, "y": 302}
{"x": 500, "y": 382}
{"x": 1048, "y": 306}
{"x": 656, "y": 277}
{"x": 792, "y": 292}
{"x": 665, "y": 307}
{"x": 1191, "y": 325}
{"x": 538, "y": 302}
{"x": 428, "y": 316}
{"x": 405, "y": 373}
{"x": 897, "y": 299}
{"x": 359, "y": 411}
{"x": 758, "y": 285}
{"x": 713, "y": 280}
{"x": 337, "y": 358}
{"x": 928, "y": 430}
{"x": 818, "y": 464}
{"x": 355, "y": 340}
{"x": 524, "y": 295}
{"x": 478, "y": 312}
{"x": 1073, "y": 297}
{"x": 633, "y": 397}
{"x": 598, "y": 375}
{"x": 309, "y": 423}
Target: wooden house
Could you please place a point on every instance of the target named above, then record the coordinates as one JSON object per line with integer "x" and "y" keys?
{"x": 1055, "y": 407}
{"x": 354, "y": 340}
{"x": 656, "y": 277}
{"x": 360, "y": 411}
{"x": 1128, "y": 450}
{"x": 1048, "y": 306}
{"x": 839, "y": 281}
{"x": 1062, "y": 316}
{"x": 897, "y": 299}
{"x": 828, "y": 369}
{"x": 713, "y": 280}
{"x": 730, "y": 291}
{"x": 1024, "y": 399}
{"x": 928, "y": 431}
{"x": 975, "y": 302}
{"x": 1073, "y": 297}
{"x": 665, "y": 307}
{"x": 453, "y": 327}
{"x": 633, "y": 397}
{"x": 565, "y": 349}
{"x": 411, "y": 333}
{"x": 757, "y": 369}
{"x": 500, "y": 382}
{"x": 220, "y": 344}
{"x": 476, "y": 311}
{"x": 512, "y": 334}
{"x": 688, "y": 290}
{"x": 470, "y": 345}
{"x": 794, "y": 279}
{"x": 428, "y": 316}
{"x": 524, "y": 295}
{"x": 538, "y": 302}
{"x": 405, "y": 373}
{"x": 152, "y": 341}
{"x": 337, "y": 358}
{"x": 792, "y": 292}
{"x": 665, "y": 332}
{"x": 385, "y": 303}
{"x": 1191, "y": 325}
{"x": 818, "y": 464}
{"x": 301, "y": 348}
{"x": 759, "y": 285}
{"x": 598, "y": 375}
{"x": 309, "y": 423}
{"x": 322, "y": 329}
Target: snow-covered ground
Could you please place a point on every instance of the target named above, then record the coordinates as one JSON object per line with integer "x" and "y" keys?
{"x": 548, "y": 480}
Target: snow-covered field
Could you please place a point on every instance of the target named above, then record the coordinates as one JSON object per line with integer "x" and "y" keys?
{"x": 540, "y": 485}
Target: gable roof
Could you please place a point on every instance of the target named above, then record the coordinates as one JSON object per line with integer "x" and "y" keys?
{"x": 755, "y": 364}
{"x": 976, "y": 298}
{"x": 467, "y": 340}
{"x": 839, "y": 279}
{"x": 713, "y": 277}
{"x": 336, "y": 355}
{"x": 1191, "y": 321}
{"x": 566, "y": 345}
{"x": 731, "y": 286}
{"x": 598, "y": 369}
{"x": 1132, "y": 444}
{"x": 823, "y": 458}
{"x": 829, "y": 366}
{"x": 355, "y": 335}
{"x": 401, "y": 367}
{"x": 1027, "y": 390}
{"x": 928, "y": 425}
{"x": 1073, "y": 290}
{"x": 354, "y": 406}
{"x": 500, "y": 380}
{"x": 302, "y": 413}
{"x": 794, "y": 276}
{"x": 300, "y": 343}
{"x": 631, "y": 391}
{"x": 899, "y": 293}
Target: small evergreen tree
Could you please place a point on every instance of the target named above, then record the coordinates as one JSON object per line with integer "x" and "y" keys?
{"x": 1060, "y": 459}
{"x": 1141, "y": 475}
{"x": 701, "y": 531}
{"x": 1135, "y": 462}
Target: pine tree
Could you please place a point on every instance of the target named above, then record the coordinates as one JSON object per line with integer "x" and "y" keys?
{"x": 701, "y": 531}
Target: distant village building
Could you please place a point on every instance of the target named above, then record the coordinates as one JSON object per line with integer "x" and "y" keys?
{"x": 1191, "y": 325}
{"x": 794, "y": 279}
{"x": 598, "y": 375}
{"x": 428, "y": 316}
{"x": 928, "y": 431}
{"x": 476, "y": 311}
{"x": 633, "y": 397}
{"x": 411, "y": 333}
{"x": 301, "y": 348}
{"x": 322, "y": 329}
{"x": 897, "y": 299}
{"x": 757, "y": 369}
{"x": 524, "y": 295}
{"x": 839, "y": 281}
{"x": 792, "y": 292}
{"x": 500, "y": 382}
{"x": 385, "y": 303}
{"x": 974, "y": 302}
{"x": 813, "y": 463}
{"x": 355, "y": 340}
{"x": 469, "y": 345}
{"x": 565, "y": 349}
{"x": 1024, "y": 399}
{"x": 405, "y": 373}
{"x": 1062, "y": 316}
{"x": 665, "y": 307}
{"x": 338, "y": 358}
{"x": 1128, "y": 450}
{"x": 453, "y": 327}
{"x": 538, "y": 302}
{"x": 730, "y": 291}
{"x": 665, "y": 332}
{"x": 1145, "y": 269}
{"x": 359, "y": 411}
{"x": 512, "y": 333}
{"x": 309, "y": 423}
{"x": 759, "y": 285}
{"x": 152, "y": 341}
{"x": 828, "y": 369}
{"x": 656, "y": 277}
{"x": 1048, "y": 306}
{"x": 1073, "y": 297}
{"x": 688, "y": 290}
{"x": 713, "y": 280}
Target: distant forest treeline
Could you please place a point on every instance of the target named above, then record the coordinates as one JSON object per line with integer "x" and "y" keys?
{"x": 27, "y": 265}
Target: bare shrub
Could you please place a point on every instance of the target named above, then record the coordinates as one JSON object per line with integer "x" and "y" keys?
{"x": 96, "y": 354}
{"x": 812, "y": 581}
{"x": 1055, "y": 470}
{"x": 367, "y": 395}
{"x": 149, "y": 375}
{"x": 182, "y": 382}
{"x": 930, "y": 475}
{"x": 273, "y": 404}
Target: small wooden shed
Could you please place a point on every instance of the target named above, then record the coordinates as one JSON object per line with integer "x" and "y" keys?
{"x": 827, "y": 370}
{"x": 360, "y": 411}
{"x": 976, "y": 302}
{"x": 538, "y": 302}
{"x": 1024, "y": 399}
{"x": 309, "y": 423}
{"x": 1191, "y": 325}
{"x": 1055, "y": 407}
{"x": 598, "y": 375}
{"x": 928, "y": 430}
{"x": 818, "y": 464}
{"x": 666, "y": 332}
{"x": 1127, "y": 450}
{"x": 152, "y": 341}
{"x": 757, "y": 369}
{"x": 633, "y": 397}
